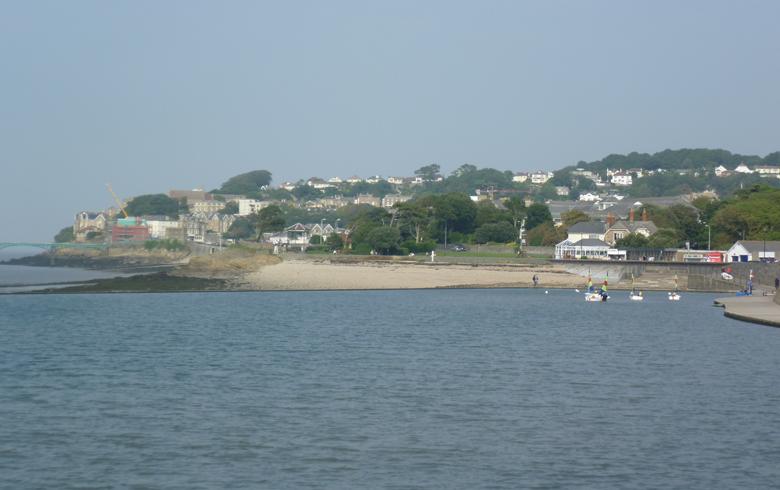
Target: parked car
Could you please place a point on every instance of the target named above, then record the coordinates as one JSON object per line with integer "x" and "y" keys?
{"x": 458, "y": 248}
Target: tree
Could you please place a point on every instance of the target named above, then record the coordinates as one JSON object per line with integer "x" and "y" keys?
{"x": 247, "y": 183}
{"x": 633, "y": 240}
{"x": 537, "y": 214}
{"x": 64, "y": 235}
{"x": 154, "y": 204}
{"x": 268, "y": 219}
{"x": 334, "y": 242}
{"x": 241, "y": 228}
{"x": 428, "y": 172}
{"x": 230, "y": 208}
{"x": 501, "y": 232}
{"x": 384, "y": 239}
{"x": 545, "y": 234}
{"x": 572, "y": 217}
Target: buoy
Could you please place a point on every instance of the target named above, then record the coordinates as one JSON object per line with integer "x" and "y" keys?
{"x": 547, "y": 292}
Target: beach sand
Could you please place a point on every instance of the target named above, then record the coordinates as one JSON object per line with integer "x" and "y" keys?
{"x": 308, "y": 275}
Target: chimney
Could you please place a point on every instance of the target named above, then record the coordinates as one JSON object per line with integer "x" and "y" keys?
{"x": 631, "y": 215}
{"x": 610, "y": 219}
{"x": 644, "y": 214}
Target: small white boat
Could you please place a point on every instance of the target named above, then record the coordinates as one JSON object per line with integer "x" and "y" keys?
{"x": 634, "y": 295}
{"x": 674, "y": 295}
{"x": 593, "y": 297}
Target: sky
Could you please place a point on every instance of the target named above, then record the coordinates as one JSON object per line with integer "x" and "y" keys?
{"x": 151, "y": 95}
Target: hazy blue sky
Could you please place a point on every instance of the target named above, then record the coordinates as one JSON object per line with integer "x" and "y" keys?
{"x": 152, "y": 95}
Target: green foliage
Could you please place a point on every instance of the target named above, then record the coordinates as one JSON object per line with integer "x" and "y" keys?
{"x": 230, "y": 208}
{"x": 171, "y": 245}
{"x": 633, "y": 240}
{"x": 241, "y": 228}
{"x": 94, "y": 235}
{"x": 248, "y": 184}
{"x": 752, "y": 214}
{"x": 384, "y": 239}
{"x": 572, "y": 217}
{"x": 428, "y": 172}
{"x": 267, "y": 220}
{"x": 315, "y": 240}
{"x": 501, "y": 232}
{"x": 64, "y": 235}
{"x": 468, "y": 178}
{"x": 155, "y": 204}
{"x": 536, "y": 215}
{"x": 334, "y": 242}
{"x": 545, "y": 234}
{"x": 488, "y": 213}
{"x": 379, "y": 189}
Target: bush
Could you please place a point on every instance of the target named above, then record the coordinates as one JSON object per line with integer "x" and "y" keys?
{"x": 171, "y": 245}
{"x": 418, "y": 248}
{"x": 502, "y": 232}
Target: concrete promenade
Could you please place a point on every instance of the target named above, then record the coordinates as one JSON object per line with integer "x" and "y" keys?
{"x": 756, "y": 309}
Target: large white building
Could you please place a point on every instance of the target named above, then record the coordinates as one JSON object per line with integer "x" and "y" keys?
{"x": 540, "y": 177}
{"x": 251, "y": 206}
{"x": 620, "y": 178}
{"x": 158, "y": 226}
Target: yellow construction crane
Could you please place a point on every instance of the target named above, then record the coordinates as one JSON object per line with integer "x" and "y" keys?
{"x": 118, "y": 202}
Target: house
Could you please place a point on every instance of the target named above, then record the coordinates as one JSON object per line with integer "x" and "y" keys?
{"x": 754, "y": 251}
{"x": 354, "y": 180}
{"x": 540, "y": 177}
{"x": 395, "y": 180}
{"x": 219, "y": 223}
{"x": 623, "y": 228}
{"x": 374, "y": 179}
{"x": 207, "y": 207}
{"x": 622, "y": 178}
{"x": 589, "y": 197}
{"x": 193, "y": 195}
{"x": 368, "y": 199}
{"x": 743, "y": 169}
{"x": 319, "y": 230}
{"x": 129, "y": 230}
{"x": 562, "y": 190}
{"x": 586, "y": 248}
{"x": 587, "y": 230}
{"x": 89, "y": 223}
{"x": 721, "y": 171}
{"x": 520, "y": 177}
{"x": 158, "y": 226}
{"x": 334, "y": 202}
{"x": 335, "y": 180}
{"x": 391, "y": 199}
{"x": 318, "y": 183}
{"x": 768, "y": 170}
{"x": 288, "y": 186}
{"x": 251, "y": 206}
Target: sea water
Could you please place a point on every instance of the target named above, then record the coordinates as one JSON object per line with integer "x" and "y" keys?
{"x": 392, "y": 389}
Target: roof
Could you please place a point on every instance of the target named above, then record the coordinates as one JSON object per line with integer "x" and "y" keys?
{"x": 635, "y": 225}
{"x": 588, "y": 227}
{"x": 590, "y": 242}
{"x": 756, "y": 246}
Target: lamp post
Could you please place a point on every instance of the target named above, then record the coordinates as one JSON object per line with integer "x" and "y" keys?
{"x": 337, "y": 224}
{"x": 322, "y": 230}
{"x": 709, "y": 237}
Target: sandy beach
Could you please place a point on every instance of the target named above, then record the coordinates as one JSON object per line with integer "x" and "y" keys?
{"x": 306, "y": 275}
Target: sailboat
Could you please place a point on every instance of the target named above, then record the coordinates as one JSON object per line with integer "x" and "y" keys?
{"x": 591, "y": 294}
{"x": 674, "y": 295}
{"x": 634, "y": 295}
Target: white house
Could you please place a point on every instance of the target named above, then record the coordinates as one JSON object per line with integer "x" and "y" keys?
{"x": 86, "y": 222}
{"x": 391, "y": 199}
{"x": 540, "y": 177}
{"x": 589, "y": 197}
{"x": 251, "y": 206}
{"x": 159, "y": 224}
{"x": 620, "y": 178}
{"x": 561, "y": 190}
{"x": 395, "y": 180}
{"x": 768, "y": 170}
{"x": 743, "y": 169}
{"x": 753, "y": 251}
{"x": 520, "y": 177}
{"x": 587, "y": 229}
{"x": 354, "y": 180}
{"x": 721, "y": 171}
{"x": 207, "y": 207}
{"x": 335, "y": 180}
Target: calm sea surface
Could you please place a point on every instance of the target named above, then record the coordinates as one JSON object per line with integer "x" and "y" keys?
{"x": 400, "y": 389}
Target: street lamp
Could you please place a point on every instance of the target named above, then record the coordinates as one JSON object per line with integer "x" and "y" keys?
{"x": 709, "y": 237}
{"x": 337, "y": 224}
